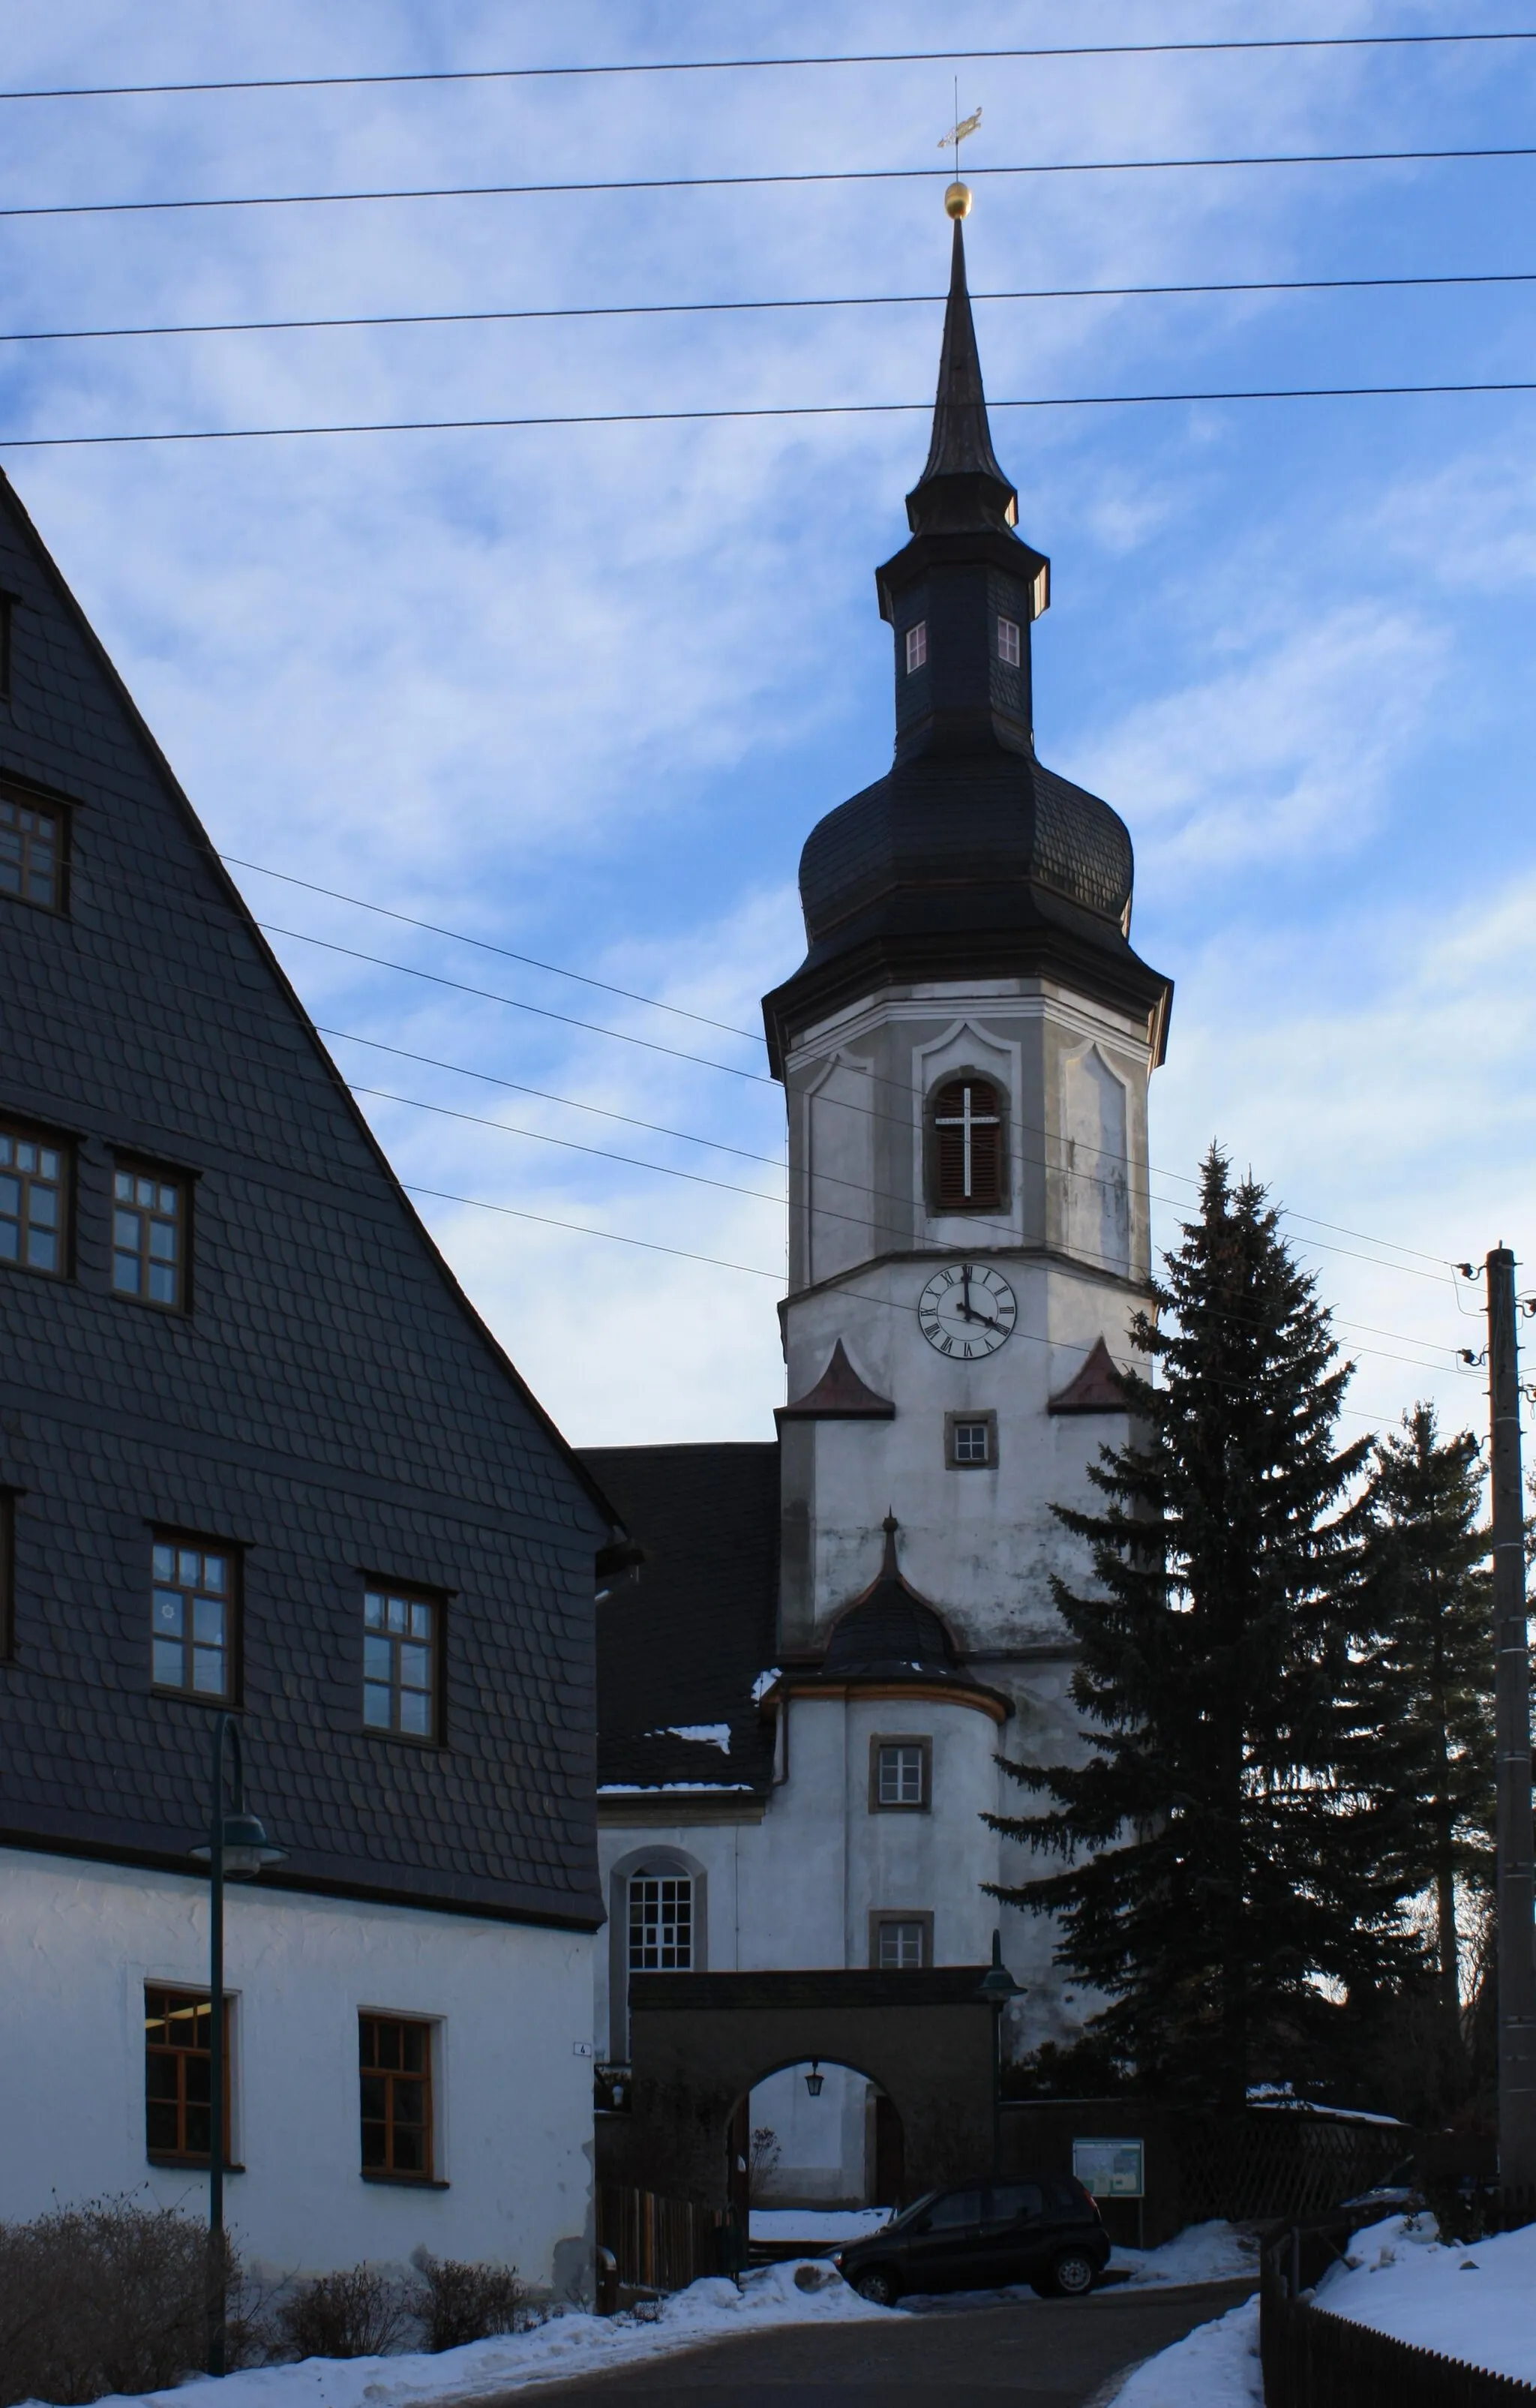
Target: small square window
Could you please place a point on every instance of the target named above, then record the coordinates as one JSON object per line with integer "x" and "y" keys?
{"x": 901, "y": 1944}
{"x": 150, "y": 1235}
{"x": 394, "y": 2070}
{"x": 899, "y": 1773}
{"x": 401, "y": 1636}
{"x": 1007, "y": 641}
{"x": 661, "y": 1923}
{"x": 32, "y": 853}
{"x": 970, "y": 1441}
{"x": 178, "y": 2076}
{"x": 917, "y": 646}
{"x": 192, "y": 1618}
{"x": 33, "y": 1202}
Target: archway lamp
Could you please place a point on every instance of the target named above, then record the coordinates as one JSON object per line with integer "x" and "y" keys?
{"x": 815, "y": 2079}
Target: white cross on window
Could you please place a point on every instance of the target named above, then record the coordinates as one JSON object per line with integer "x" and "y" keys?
{"x": 965, "y": 1120}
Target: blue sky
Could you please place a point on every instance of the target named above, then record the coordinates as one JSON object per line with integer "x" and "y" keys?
{"x": 583, "y": 692}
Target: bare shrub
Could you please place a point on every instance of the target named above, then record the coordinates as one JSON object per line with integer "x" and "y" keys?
{"x": 360, "y": 2313}
{"x": 763, "y": 2156}
{"x": 108, "y": 2296}
{"x": 457, "y": 2302}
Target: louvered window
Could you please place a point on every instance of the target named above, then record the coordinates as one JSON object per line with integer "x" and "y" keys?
{"x": 967, "y": 1146}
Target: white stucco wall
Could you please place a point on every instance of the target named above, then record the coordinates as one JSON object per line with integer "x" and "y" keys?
{"x": 512, "y": 2101}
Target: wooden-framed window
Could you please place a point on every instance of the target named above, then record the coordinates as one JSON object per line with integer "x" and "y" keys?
{"x": 901, "y": 1775}
{"x": 394, "y": 2074}
{"x": 965, "y": 1147}
{"x": 900, "y": 1942}
{"x": 194, "y": 1611}
{"x": 1007, "y": 643}
{"x": 401, "y": 1657}
{"x": 32, "y": 850}
{"x": 661, "y": 1922}
{"x": 33, "y": 1201}
{"x": 149, "y": 1215}
{"x": 178, "y": 2076}
{"x": 917, "y": 646}
{"x": 970, "y": 1441}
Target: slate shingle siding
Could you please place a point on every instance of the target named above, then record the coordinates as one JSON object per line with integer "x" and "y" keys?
{"x": 331, "y": 1401}
{"x": 683, "y": 1642}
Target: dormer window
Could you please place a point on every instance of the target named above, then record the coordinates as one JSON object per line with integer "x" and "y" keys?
{"x": 917, "y": 646}
{"x": 1007, "y": 641}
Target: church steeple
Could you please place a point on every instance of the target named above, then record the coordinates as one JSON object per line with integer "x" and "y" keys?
{"x": 961, "y": 486}
{"x": 962, "y": 594}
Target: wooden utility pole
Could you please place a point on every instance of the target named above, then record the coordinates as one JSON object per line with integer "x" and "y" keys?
{"x": 1516, "y": 1905}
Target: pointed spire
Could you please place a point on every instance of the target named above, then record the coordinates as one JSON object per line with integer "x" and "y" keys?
{"x": 962, "y": 485}
{"x": 889, "y": 1568}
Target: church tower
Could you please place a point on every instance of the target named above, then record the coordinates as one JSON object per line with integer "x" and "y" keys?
{"x": 965, "y": 1052}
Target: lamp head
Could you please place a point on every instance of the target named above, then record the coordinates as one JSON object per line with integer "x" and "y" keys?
{"x": 246, "y": 1849}
{"x": 996, "y": 1985}
{"x": 815, "y": 2079}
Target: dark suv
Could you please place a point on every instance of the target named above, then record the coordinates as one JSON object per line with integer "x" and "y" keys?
{"x": 1046, "y": 2232}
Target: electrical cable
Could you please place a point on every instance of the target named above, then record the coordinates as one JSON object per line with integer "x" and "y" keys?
{"x": 862, "y": 1221}
{"x": 717, "y": 308}
{"x": 741, "y": 66}
{"x": 779, "y": 178}
{"x": 793, "y": 409}
{"x": 731, "y": 1069}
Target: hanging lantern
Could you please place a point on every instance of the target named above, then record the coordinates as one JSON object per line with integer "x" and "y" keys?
{"x": 815, "y": 2079}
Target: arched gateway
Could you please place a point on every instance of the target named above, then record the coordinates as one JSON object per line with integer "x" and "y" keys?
{"x": 699, "y": 2041}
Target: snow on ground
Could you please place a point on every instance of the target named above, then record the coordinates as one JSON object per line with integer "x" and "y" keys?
{"x": 566, "y": 2345}
{"x": 818, "y": 2226}
{"x": 1472, "y": 2303}
{"x": 1202, "y": 2253}
{"x": 1217, "y": 2365}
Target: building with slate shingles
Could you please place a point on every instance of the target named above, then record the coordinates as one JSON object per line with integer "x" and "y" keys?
{"x": 256, "y": 1451}
{"x": 806, "y": 1681}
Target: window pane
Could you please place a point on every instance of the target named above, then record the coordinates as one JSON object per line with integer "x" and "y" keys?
{"x": 374, "y": 2091}
{"x": 378, "y": 1658}
{"x": 161, "y": 1284}
{"x": 122, "y": 1187}
{"x": 126, "y": 1274}
{"x": 208, "y": 1620}
{"x": 43, "y": 1206}
{"x": 169, "y": 1607}
{"x": 413, "y": 2050}
{"x": 420, "y": 1620}
{"x": 167, "y": 1664}
{"x": 376, "y": 1707}
{"x": 214, "y": 1571}
{"x": 415, "y": 1711}
{"x": 163, "y": 1241}
{"x": 399, "y": 1616}
{"x": 409, "y": 2151}
{"x": 414, "y": 1667}
{"x": 11, "y": 1241}
{"x": 42, "y": 1251}
{"x": 188, "y": 1568}
{"x": 208, "y": 1671}
{"x": 125, "y": 1231}
{"x": 373, "y": 2147}
{"x": 373, "y": 1610}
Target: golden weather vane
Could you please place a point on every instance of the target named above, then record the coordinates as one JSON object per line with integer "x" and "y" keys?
{"x": 957, "y": 199}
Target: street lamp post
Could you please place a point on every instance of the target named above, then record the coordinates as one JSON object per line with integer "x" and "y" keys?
{"x": 997, "y": 1986}
{"x": 236, "y": 1849}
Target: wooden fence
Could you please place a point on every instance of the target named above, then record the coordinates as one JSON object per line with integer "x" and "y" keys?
{"x": 663, "y": 2244}
{"x": 1314, "y": 2360}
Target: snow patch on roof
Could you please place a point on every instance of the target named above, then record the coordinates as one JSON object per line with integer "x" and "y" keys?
{"x": 663, "y": 1788}
{"x": 763, "y": 1683}
{"x": 706, "y": 1734}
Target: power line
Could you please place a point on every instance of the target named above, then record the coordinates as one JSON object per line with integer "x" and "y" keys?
{"x": 716, "y": 308}
{"x": 460, "y": 937}
{"x": 731, "y": 1069}
{"x": 789, "y": 409}
{"x": 740, "y": 66}
{"x": 860, "y": 1220}
{"x": 755, "y": 182}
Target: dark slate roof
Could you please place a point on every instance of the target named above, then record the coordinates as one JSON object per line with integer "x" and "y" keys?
{"x": 682, "y": 1642}
{"x": 331, "y": 1404}
{"x": 961, "y": 484}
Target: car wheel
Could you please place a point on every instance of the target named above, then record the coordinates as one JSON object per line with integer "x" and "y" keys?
{"x": 878, "y": 2286}
{"x": 1073, "y": 2272}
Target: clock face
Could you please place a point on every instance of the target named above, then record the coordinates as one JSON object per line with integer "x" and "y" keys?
{"x": 967, "y": 1310}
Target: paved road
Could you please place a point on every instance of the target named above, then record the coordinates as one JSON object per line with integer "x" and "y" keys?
{"x": 1034, "y": 2353}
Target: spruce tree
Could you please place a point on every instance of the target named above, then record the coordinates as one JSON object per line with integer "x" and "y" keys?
{"x": 1431, "y": 1669}
{"x": 1223, "y": 1849}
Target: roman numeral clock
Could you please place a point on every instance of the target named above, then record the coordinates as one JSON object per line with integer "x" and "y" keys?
{"x": 967, "y": 1310}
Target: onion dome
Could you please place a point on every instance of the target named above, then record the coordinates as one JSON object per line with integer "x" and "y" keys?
{"x": 969, "y": 858}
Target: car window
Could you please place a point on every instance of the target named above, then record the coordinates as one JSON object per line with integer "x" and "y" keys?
{"x": 1011, "y": 2202}
{"x": 910, "y": 2214}
{"x": 954, "y": 2207}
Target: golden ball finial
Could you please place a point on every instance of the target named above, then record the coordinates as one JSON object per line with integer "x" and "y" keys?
{"x": 957, "y": 199}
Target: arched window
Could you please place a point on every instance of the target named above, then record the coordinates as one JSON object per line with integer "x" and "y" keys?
{"x": 661, "y": 1920}
{"x": 965, "y": 1146}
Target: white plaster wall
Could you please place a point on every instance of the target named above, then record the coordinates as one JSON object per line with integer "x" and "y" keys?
{"x": 822, "y": 2149}
{"x": 512, "y": 2100}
